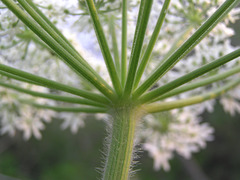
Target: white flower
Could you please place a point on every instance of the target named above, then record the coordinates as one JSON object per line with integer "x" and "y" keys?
{"x": 179, "y": 131}
{"x": 8, "y": 123}
{"x": 161, "y": 158}
{"x": 72, "y": 120}
{"x": 30, "y": 124}
{"x": 230, "y": 105}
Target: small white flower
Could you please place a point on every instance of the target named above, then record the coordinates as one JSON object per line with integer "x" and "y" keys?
{"x": 161, "y": 158}
{"x": 30, "y": 123}
{"x": 179, "y": 131}
{"x": 230, "y": 105}
{"x": 72, "y": 120}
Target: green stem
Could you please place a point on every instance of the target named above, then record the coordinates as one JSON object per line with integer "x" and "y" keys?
{"x": 56, "y": 97}
{"x": 187, "y": 46}
{"x": 143, "y": 17}
{"x": 200, "y": 83}
{"x": 53, "y": 84}
{"x": 104, "y": 47}
{"x": 188, "y": 77}
{"x": 180, "y": 40}
{"x": 11, "y": 45}
{"x": 114, "y": 43}
{"x": 44, "y": 22}
{"x": 28, "y": 35}
{"x": 65, "y": 109}
{"x": 49, "y": 23}
{"x": 99, "y": 11}
{"x": 124, "y": 43}
{"x": 119, "y": 156}
{"x": 18, "y": 78}
{"x": 164, "y": 106}
{"x": 71, "y": 61}
{"x": 151, "y": 43}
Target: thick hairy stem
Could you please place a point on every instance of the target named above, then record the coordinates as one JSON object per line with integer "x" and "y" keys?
{"x": 121, "y": 146}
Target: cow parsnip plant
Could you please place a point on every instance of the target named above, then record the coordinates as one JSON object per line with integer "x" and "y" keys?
{"x": 139, "y": 100}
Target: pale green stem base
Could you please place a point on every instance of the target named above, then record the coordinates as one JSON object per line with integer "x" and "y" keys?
{"x": 121, "y": 144}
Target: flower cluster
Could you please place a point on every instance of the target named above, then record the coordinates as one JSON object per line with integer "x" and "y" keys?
{"x": 16, "y": 116}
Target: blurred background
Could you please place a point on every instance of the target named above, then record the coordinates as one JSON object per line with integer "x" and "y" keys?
{"x": 60, "y": 155}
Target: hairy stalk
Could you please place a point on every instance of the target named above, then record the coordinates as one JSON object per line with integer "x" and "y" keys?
{"x": 120, "y": 151}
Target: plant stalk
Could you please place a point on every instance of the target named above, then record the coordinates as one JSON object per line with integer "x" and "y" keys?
{"x": 121, "y": 146}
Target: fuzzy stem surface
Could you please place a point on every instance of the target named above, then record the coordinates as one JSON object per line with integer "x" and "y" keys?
{"x": 121, "y": 146}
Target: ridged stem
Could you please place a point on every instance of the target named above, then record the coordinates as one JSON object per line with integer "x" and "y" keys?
{"x": 124, "y": 43}
{"x": 165, "y": 106}
{"x": 104, "y": 46}
{"x": 68, "y": 99}
{"x": 112, "y": 30}
{"x": 187, "y": 46}
{"x": 119, "y": 156}
{"x": 65, "y": 109}
{"x": 202, "y": 82}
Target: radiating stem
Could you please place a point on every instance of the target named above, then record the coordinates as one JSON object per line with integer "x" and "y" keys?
{"x": 143, "y": 17}
{"x": 152, "y": 42}
{"x": 164, "y": 106}
{"x": 66, "y": 109}
{"x": 200, "y": 83}
{"x": 49, "y": 23}
{"x": 187, "y": 46}
{"x": 52, "y": 84}
{"x": 49, "y": 27}
{"x": 104, "y": 47}
{"x": 188, "y": 77}
{"x": 180, "y": 40}
{"x": 70, "y": 60}
{"x": 69, "y": 99}
{"x": 112, "y": 30}
{"x": 124, "y": 43}
{"x": 19, "y": 78}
